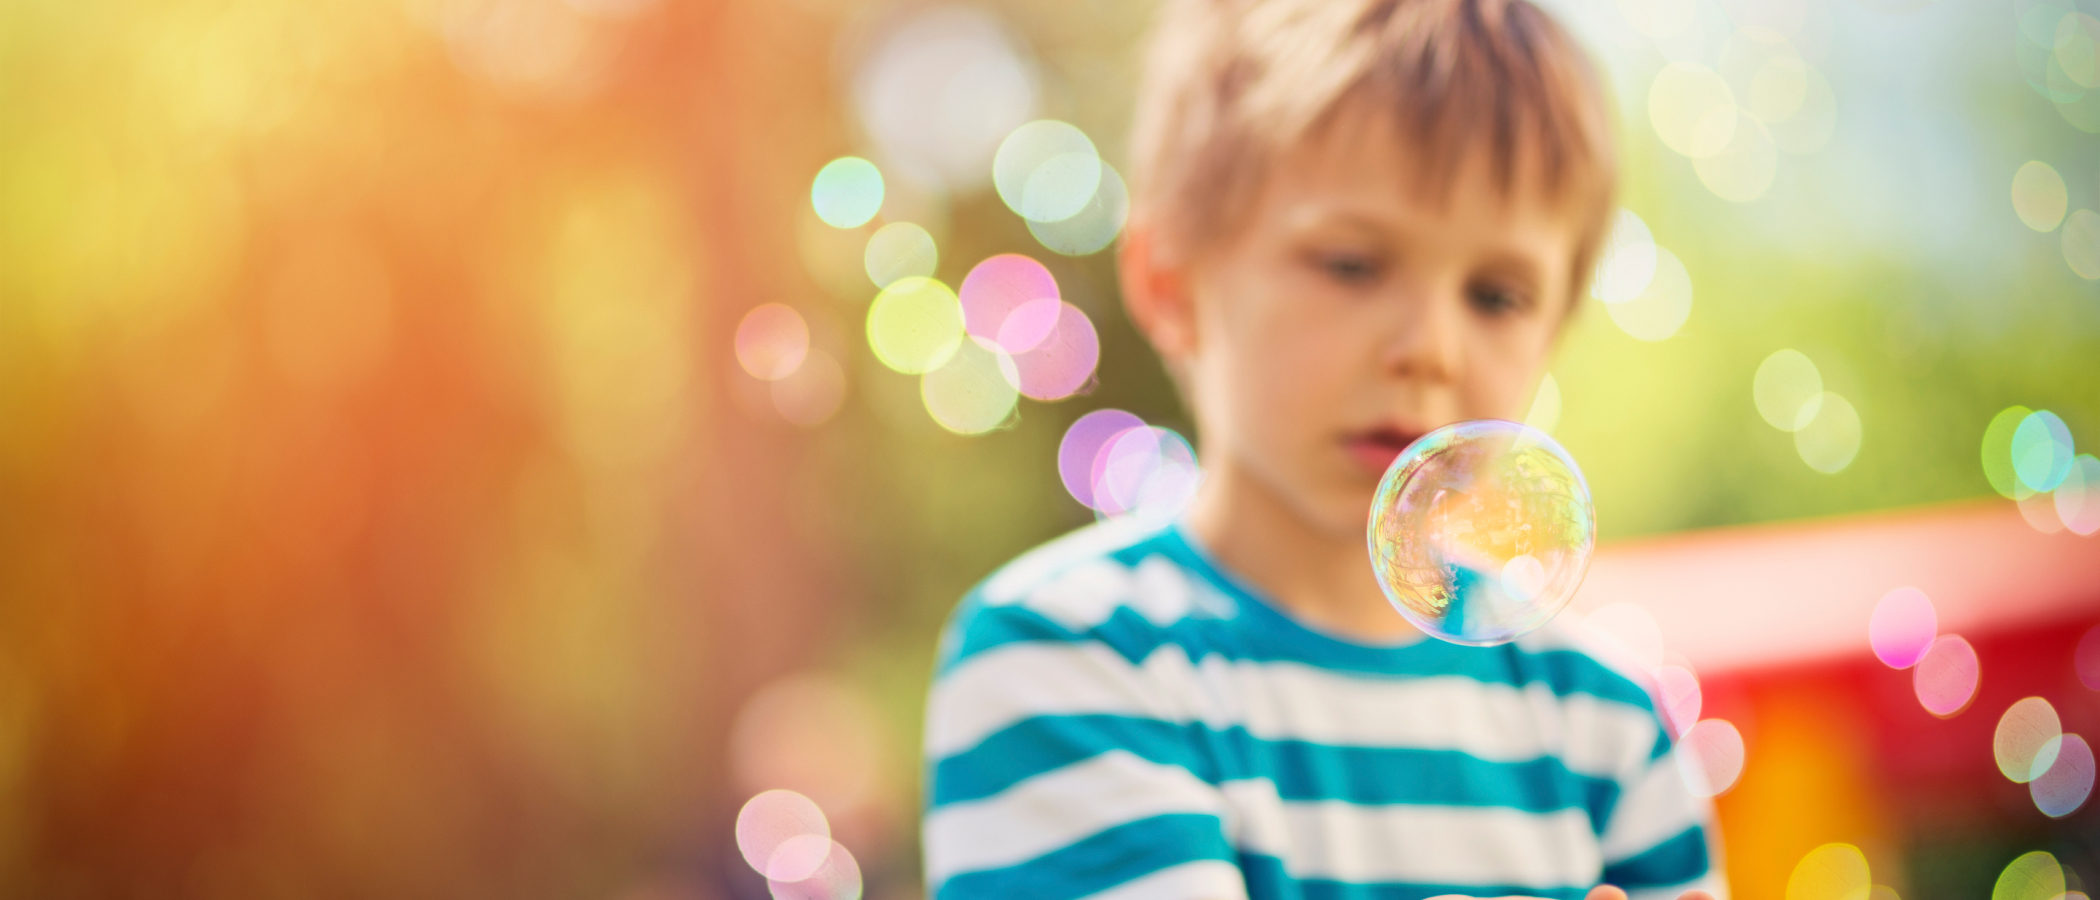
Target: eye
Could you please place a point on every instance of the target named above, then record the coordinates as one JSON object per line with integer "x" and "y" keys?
{"x": 1497, "y": 301}
{"x": 1353, "y": 269}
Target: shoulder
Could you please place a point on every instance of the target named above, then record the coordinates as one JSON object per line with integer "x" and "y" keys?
{"x": 1115, "y": 582}
{"x": 1611, "y": 703}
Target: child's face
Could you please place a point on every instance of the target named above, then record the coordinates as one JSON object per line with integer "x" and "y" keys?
{"x": 1353, "y": 313}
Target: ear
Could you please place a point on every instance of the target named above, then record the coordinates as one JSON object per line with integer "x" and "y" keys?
{"x": 1157, "y": 294}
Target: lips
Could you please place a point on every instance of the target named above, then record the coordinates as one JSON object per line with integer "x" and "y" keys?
{"x": 1375, "y": 449}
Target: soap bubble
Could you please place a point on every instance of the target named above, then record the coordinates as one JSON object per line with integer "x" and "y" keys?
{"x": 1481, "y": 531}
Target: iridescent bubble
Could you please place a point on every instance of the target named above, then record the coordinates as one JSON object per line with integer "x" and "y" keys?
{"x": 770, "y": 820}
{"x": 1830, "y": 872}
{"x": 970, "y": 394}
{"x": 1662, "y": 306}
{"x": 1903, "y": 627}
{"x": 2035, "y": 875}
{"x": 1710, "y": 757}
{"x": 2077, "y": 498}
{"x": 1830, "y": 440}
{"x": 2038, "y": 195}
{"x": 1945, "y": 679}
{"x": 1680, "y": 697}
{"x": 1082, "y": 444}
{"x": 1456, "y": 509}
{"x": 1148, "y": 473}
{"x": 1046, "y": 170}
{"x": 1692, "y": 109}
{"x": 1742, "y": 169}
{"x": 2086, "y": 659}
{"x": 999, "y": 287}
{"x": 1998, "y": 452}
{"x": 2068, "y": 782}
{"x": 811, "y": 395}
{"x": 2041, "y": 451}
{"x": 899, "y": 250}
{"x": 835, "y": 876}
{"x": 2081, "y": 242}
{"x": 1061, "y": 362}
{"x": 1788, "y": 389}
{"x": 915, "y": 325}
{"x": 1094, "y": 226}
{"x": 771, "y": 341}
{"x": 2027, "y": 738}
{"x": 1627, "y": 261}
{"x": 847, "y": 192}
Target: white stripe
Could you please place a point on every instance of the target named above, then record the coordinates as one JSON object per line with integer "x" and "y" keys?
{"x": 1286, "y": 701}
{"x": 1655, "y": 807}
{"x": 1409, "y": 843}
{"x": 1206, "y": 879}
{"x": 1056, "y": 809}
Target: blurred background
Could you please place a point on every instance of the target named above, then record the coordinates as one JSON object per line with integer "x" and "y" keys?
{"x": 473, "y": 447}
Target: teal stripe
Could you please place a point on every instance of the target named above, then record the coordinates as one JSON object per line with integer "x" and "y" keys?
{"x": 1098, "y": 862}
{"x": 1674, "y": 861}
{"x": 983, "y": 628}
{"x": 1267, "y": 880}
{"x": 1301, "y": 770}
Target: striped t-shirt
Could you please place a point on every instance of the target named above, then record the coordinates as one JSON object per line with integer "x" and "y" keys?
{"x": 1115, "y": 715}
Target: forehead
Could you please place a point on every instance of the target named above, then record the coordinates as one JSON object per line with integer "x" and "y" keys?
{"x": 1367, "y": 168}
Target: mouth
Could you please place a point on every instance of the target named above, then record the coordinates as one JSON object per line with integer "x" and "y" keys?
{"x": 1375, "y": 449}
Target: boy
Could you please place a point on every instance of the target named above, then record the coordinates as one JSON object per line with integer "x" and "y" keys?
{"x": 1353, "y": 221}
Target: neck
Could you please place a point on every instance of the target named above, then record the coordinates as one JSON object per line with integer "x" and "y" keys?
{"x": 1320, "y": 575}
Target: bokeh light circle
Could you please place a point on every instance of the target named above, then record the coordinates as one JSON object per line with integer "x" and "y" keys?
{"x": 1046, "y": 170}
{"x": 1692, "y": 109}
{"x": 1094, "y": 226}
{"x": 847, "y": 192}
{"x": 2041, "y": 451}
{"x": 915, "y": 325}
{"x": 1060, "y": 362}
{"x": 1831, "y": 872}
{"x": 2077, "y": 497}
{"x": 1742, "y": 169}
{"x": 899, "y": 250}
{"x": 1662, "y": 305}
{"x": 2081, "y": 243}
{"x": 1480, "y": 531}
{"x": 1810, "y": 126}
{"x": 1680, "y": 697}
{"x": 813, "y": 393}
{"x": 770, "y": 820}
{"x": 1945, "y": 678}
{"x": 1147, "y": 473}
{"x": 2038, "y": 195}
{"x": 2035, "y": 875}
{"x": 771, "y": 341}
{"x": 1903, "y": 627}
{"x": 1626, "y": 263}
{"x": 1788, "y": 389}
{"x": 2026, "y": 740}
{"x": 2039, "y": 511}
{"x": 1082, "y": 445}
{"x": 1998, "y": 452}
{"x": 1001, "y": 287}
{"x": 970, "y": 393}
{"x": 939, "y": 89}
{"x": 2068, "y": 782}
{"x": 1830, "y": 440}
{"x": 836, "y": 876}
{"x": 1710, "y": 757}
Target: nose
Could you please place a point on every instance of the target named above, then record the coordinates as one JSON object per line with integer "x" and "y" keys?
{"x": 1423, "y": 337}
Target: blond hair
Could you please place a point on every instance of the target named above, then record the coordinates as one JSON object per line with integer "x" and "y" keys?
{"x": 1229, "y": 85}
